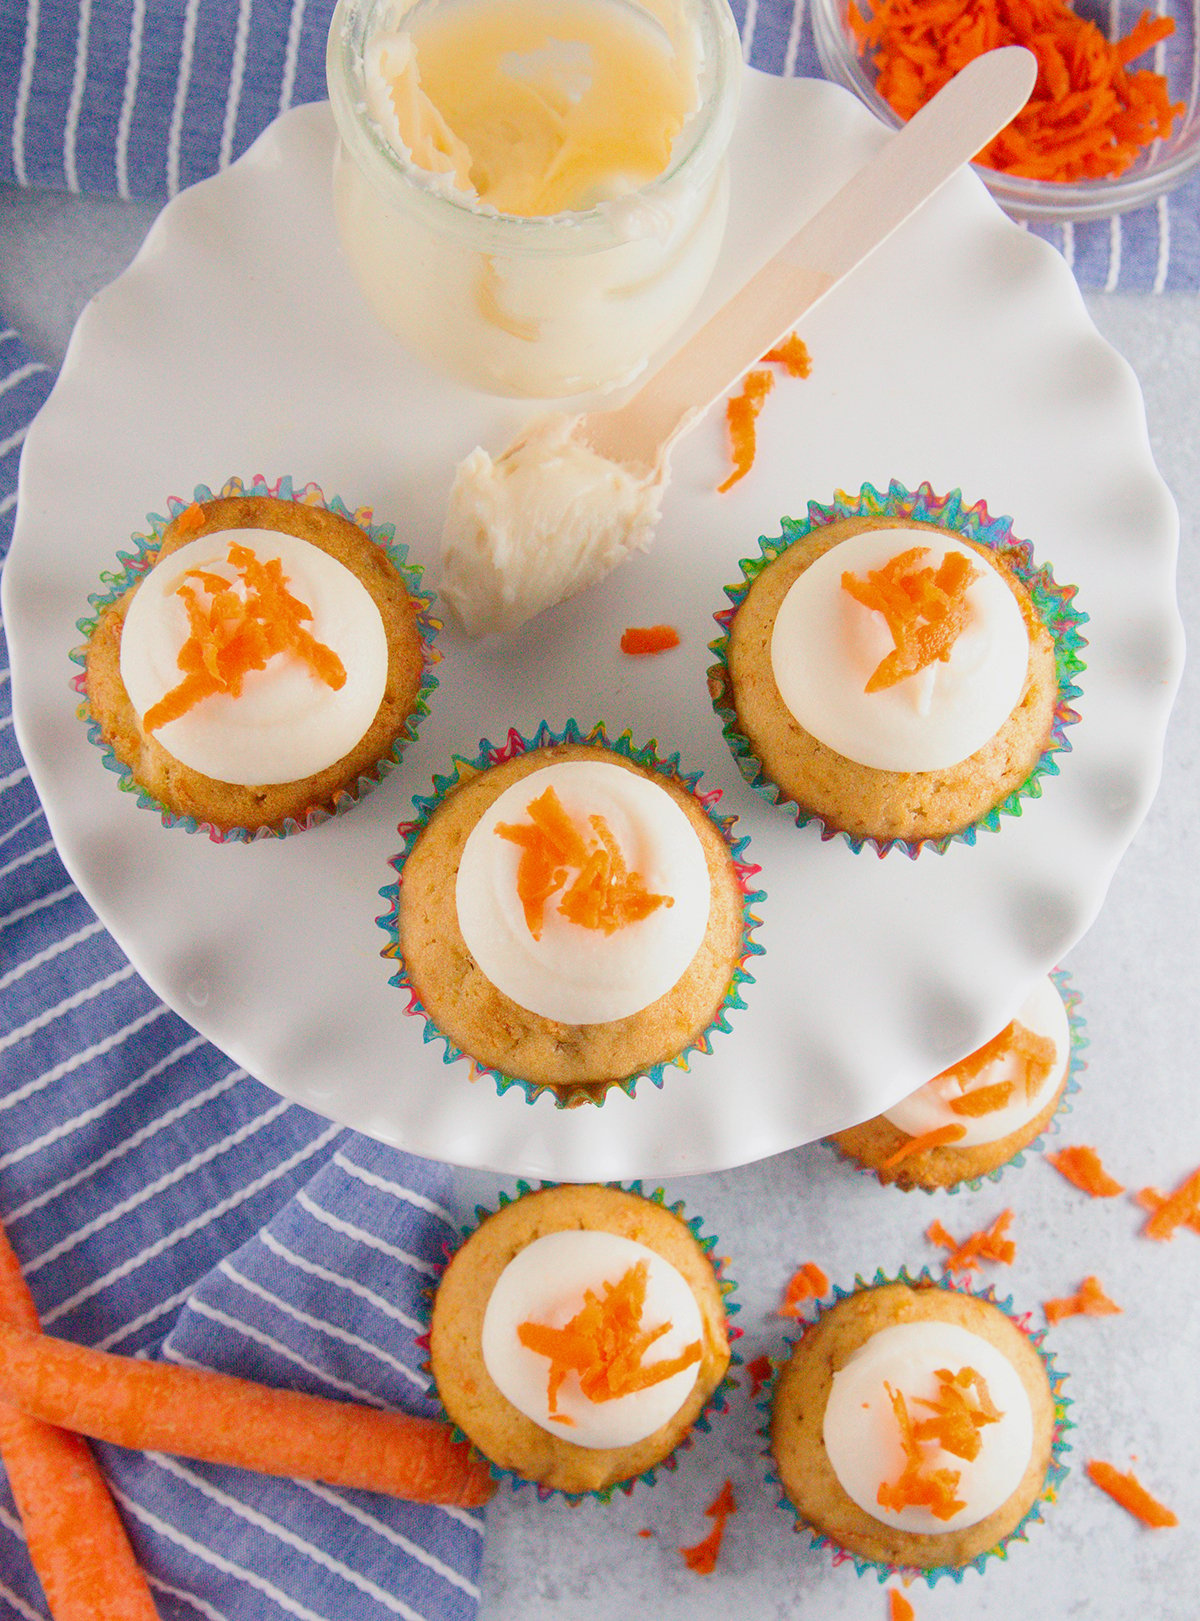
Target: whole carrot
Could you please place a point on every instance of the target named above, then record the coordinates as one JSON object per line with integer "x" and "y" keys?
{"x": 77, "y": 1543}
{"x": 161, "y": 1407}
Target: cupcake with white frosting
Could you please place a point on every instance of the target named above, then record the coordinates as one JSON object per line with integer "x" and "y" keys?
{"x": 981, "y": 1114}
{"x": 917, "y": 1427}
{"x": 261, "y": 661}
{"x": 578, "y": 1335}
{"x": 571, "y": 914}
{"x": 895, "y": 667}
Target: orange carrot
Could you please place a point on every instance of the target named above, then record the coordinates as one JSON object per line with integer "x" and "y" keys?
{"x": 638, "y": 640}
{"x": 899, "y": 1609}
{"x": 939, "y": 1137}
{"x": 1034, "y": 1055}
{"x": 741, "y": 412}
{"x": 1178, "y": 1209}
{"x": 77, "y": 1543}
{"x": 808, "y": 1283}
{"x": 1128, "y": 1490}
{"x": 1081, "y": 1166}
{"x": 759, "y": 1371}
{"x": 702, "y": 1556}
{"x": 988, "y": 1244}
{"x": 161, "y": 1407}
{"x": 925, "y": 610}
{"x": 1088, "y": 1300}
{"x": 1087, "y": 118}
{"x": 605, "y": 1343}
{"x": 791, "y": 354}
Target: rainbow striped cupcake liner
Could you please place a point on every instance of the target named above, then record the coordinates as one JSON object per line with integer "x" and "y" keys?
{"x": 137, "y": 564}
{"x": 1056, "y": 1471}
{"x": 1054, "y": 605}
{"x": 1076, "y": 1064}
{"x": 716, "y": 1405}
{"x": 646, "y": 756}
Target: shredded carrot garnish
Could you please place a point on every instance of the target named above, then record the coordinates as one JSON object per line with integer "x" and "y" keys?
{"x": 899, "y": 1609}
{"x": 702, "y": 1556}
{"x": 645, "y": 1532}
{"x": 982, "y": 1100}
{"x": 988, "y": 1244}
{"x": 604, "y": 1343}
{"x": 1088, "y": 117}
{"x": 1088, "y": 1300}
{"x": 1178, "y": 1209}
{"x": 190, "y": 519}
{"x": 639, "y": 640}
{"x": 742, "y": 408}
{"x": 759, "y": 1371}
{"x": 791, "y": 354}
{"x": 1081, "y": 1166}
{"x": 237, "y": 630}
{"x": 939, "y": 1137}
{"x": 953, "y": 1426}
{"x": 1128, "y": 1490}
{"x": 808, "y": 1283}
{"x": 599, "y": 891}
{"x": 925, "y": 610}
{"x": 1034, "y": 1057}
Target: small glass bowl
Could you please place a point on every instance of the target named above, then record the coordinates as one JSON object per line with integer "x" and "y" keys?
{"x": 1162, "y": 166}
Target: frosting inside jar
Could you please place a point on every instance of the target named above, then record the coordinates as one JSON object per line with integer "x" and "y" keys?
{"x": 573, "y": 973}
{"x": 863, "y": 1438}
{"x": 825, "y": 646}
{"x": 545, "y": 1283}
{"x": 532, "y": 107}
{"x": 286, "y": 723}
{"x": 930, "y": 1106}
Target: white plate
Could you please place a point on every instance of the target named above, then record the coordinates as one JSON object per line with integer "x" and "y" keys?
{"x": 961, "y": 353}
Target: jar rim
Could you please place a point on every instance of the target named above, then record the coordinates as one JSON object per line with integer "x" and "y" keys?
{"x": 697, "y": 150}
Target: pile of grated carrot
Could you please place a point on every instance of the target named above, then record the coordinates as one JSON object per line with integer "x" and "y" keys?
{"x": 924, "y": 608}
{"x": 954, "y": 1424}
{"x": 1089, "y": 118}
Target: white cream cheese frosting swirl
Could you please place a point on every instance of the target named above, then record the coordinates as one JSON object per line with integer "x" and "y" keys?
{"x": 930, "y": 1106}
{"x": 862, "y": 1436}
{"x": 825, "y": 647}
{"x": 287, "y": 723}
{"x": 575, "y": 974}
{"x": 545, "y": 1283}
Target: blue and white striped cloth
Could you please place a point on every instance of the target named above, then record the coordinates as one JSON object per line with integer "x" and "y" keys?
{"x": 137, "y": 98}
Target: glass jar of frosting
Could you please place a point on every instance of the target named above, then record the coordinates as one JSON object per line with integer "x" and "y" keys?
{"x": 531, "y": 194}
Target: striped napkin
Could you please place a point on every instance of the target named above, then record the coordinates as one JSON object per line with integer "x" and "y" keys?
{"x": 139, "y": 101}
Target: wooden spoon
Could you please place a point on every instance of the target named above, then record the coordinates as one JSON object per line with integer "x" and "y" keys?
{"x": 946, "y": 133}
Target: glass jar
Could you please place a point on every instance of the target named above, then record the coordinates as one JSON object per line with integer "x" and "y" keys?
{"x": 544, "y": 306}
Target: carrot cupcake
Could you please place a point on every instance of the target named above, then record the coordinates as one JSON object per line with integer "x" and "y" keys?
{"x": 916, "y": 1426}
{"x": 578, "y": 1335}
{"x": 977, "y": 1116}
{"x": 896, "y": 668}
{"x": 260, "y": 663}
{"x": 570, "y": 914}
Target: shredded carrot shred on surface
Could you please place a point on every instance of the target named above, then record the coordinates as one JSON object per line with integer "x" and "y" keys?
{"x": 899, "y": 1609}
{"x": 939, "y": 1137}
{"x": 599, "y": 891}
{"x": 1088, "y": 117}
{"x": 1171, "y": 1211}
{"x": 792, "y": 355}
{"x": 988, "y": 1244}
{"x": 639, "y": 640}
{"x": 1127, "y": 1489}
{"x": 190, "y": 519}
{"x": 742, "y": 408}
{"x": 702, "y": 1556}
{"x": 1088, "y": 1300}
{"x": 235, "y": 631}
{"x": 604, "y": 1343}
{"x": 1034, "y": 1057}
{"x": 807, "y": 1283}
{"x": 646, "y": 1532}
{"x": 953, "y": 1426}
{"x": 1081, "y": 1166}
{"x": 925, "y": 610}
{"x": 983, "y": 1100}
{"x": 759, "y": 1371}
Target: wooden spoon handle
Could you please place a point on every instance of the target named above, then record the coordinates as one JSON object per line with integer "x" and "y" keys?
{"x": 946, "y": 133}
